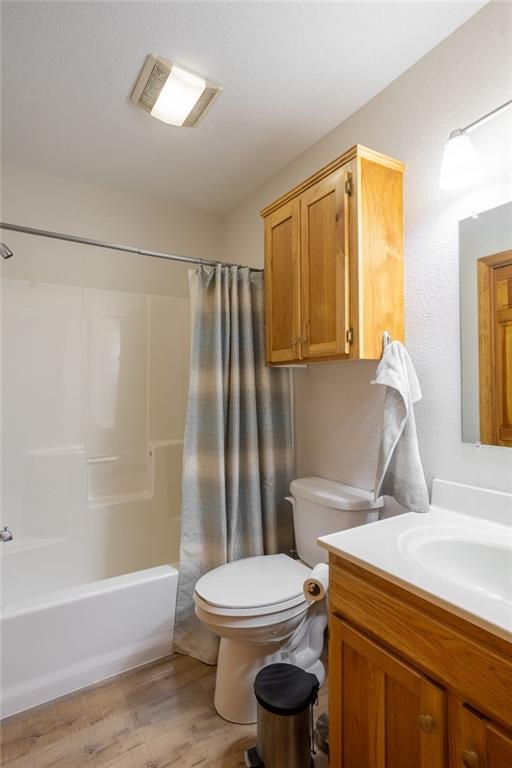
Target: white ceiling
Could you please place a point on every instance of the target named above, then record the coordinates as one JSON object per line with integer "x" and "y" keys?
{"x": 290, "y": 71}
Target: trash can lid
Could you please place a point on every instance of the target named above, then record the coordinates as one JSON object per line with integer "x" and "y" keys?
{"x": 285, "y": 689}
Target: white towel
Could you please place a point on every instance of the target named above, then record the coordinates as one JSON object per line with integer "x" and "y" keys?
{"x": 399, "y": 472}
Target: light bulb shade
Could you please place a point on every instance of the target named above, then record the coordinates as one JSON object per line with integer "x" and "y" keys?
{"x": 179, "y": 95}
{"x": 460, "y": 164}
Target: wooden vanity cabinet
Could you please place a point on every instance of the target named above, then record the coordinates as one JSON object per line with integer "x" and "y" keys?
{"x": 334, "y": 262}
{"x": 412, "y": 685}
{"x": 474, "y": 741}
{"x": 390, "y": 715}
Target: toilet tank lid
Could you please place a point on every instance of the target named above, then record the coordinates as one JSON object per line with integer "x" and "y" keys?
{"x": 335, "y": 495}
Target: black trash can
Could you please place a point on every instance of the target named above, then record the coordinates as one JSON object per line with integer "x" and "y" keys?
{"x": 285, "y": 695}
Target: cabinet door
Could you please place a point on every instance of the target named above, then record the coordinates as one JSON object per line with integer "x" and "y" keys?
{"x": 324, "y": 267}
{"x": 282, "y": 289}
{"x": 475, "y": 742}
{"x": 382, "y": 713}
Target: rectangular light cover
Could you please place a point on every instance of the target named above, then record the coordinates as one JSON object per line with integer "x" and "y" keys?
{"x": 179, "y": 95}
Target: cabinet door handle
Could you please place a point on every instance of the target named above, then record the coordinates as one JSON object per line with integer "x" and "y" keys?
{"x": 470, "y": 759}
{"x": 426, "y": 723}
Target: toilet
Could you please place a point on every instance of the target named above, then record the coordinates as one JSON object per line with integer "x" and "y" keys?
{"x": 257, "y": 605}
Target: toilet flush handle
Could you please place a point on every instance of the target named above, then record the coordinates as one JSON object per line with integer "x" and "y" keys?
{"x": 291, "y": 499}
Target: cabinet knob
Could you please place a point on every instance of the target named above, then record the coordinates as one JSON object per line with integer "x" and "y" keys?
{"x": 426, "y": 723}
{"x": 470, "y": 759}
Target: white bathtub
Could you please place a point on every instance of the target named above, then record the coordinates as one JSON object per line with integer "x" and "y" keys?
{"x": 55, "y": 643}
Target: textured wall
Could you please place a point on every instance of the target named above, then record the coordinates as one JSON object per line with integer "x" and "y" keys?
{"x": 337, "y": 410}
{"x": 48, "y": 202}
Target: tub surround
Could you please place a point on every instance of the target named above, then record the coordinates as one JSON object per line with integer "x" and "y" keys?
{"x": 421, "y": 635}
{"x": 94, "y": 440}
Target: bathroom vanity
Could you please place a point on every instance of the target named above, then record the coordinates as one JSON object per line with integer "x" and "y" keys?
{"x": 420, "y": 661}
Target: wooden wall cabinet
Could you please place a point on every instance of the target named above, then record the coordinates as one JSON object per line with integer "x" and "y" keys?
{"x": 412, "y": 685}
{"x": 334, "y": 262}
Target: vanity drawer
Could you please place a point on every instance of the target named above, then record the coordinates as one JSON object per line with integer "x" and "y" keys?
{"x": 467, "y": 660}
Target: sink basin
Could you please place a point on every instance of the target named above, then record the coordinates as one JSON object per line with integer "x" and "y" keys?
{"x": 459, "y": 554}
{"x": 484, "y": 567}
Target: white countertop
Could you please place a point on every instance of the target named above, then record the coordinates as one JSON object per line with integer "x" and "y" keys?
{"x": 460, "y": 561}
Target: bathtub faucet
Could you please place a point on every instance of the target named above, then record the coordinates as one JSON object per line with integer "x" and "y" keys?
{"x": 5, "y": 534}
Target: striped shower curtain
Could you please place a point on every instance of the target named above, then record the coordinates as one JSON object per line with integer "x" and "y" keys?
{"x": 238, "y": 444}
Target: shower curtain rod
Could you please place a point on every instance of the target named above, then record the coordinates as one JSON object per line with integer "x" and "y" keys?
{"x": 116, "y": 246}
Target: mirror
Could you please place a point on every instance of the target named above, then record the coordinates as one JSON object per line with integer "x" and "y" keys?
{"x": 485, "y": 268}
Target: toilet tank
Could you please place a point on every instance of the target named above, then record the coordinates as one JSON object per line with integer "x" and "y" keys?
{"x": 321, "y": 507}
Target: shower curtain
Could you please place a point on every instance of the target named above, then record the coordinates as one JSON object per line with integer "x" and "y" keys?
{"x": 238, "y": 443}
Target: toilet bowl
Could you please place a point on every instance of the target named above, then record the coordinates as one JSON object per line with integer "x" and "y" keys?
{"x": 257, "y": 606}
{"x": 258, "y": 609}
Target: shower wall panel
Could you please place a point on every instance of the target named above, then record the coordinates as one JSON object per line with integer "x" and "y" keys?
{"x": 94, "y": 401}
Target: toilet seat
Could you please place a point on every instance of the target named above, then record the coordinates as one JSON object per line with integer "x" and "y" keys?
{"x": 262, "y": 615}
{"x": 253, "y": 586}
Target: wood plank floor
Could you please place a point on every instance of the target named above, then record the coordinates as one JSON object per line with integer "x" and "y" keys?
{"x": 156, "y": 716}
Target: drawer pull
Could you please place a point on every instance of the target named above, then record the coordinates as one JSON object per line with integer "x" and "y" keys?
{"x": 426, "y": 723}
{"x": 470, "y": 759}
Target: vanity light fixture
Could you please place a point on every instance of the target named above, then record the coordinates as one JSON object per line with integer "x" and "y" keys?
{"x": 172, "y": 93}
{"x": 460, "y": 164}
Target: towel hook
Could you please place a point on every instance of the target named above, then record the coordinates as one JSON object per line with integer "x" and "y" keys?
{"x": 386, "y": 339}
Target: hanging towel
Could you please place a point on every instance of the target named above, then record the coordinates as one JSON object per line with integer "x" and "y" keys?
{"x": 399, "y": 472}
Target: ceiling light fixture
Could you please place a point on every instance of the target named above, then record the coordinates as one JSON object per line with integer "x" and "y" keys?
{"x": 172, "y": 93}
{"x": 460, "y": 164}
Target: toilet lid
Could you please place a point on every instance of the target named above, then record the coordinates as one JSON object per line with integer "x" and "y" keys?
{"x": 254, "y": 582}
